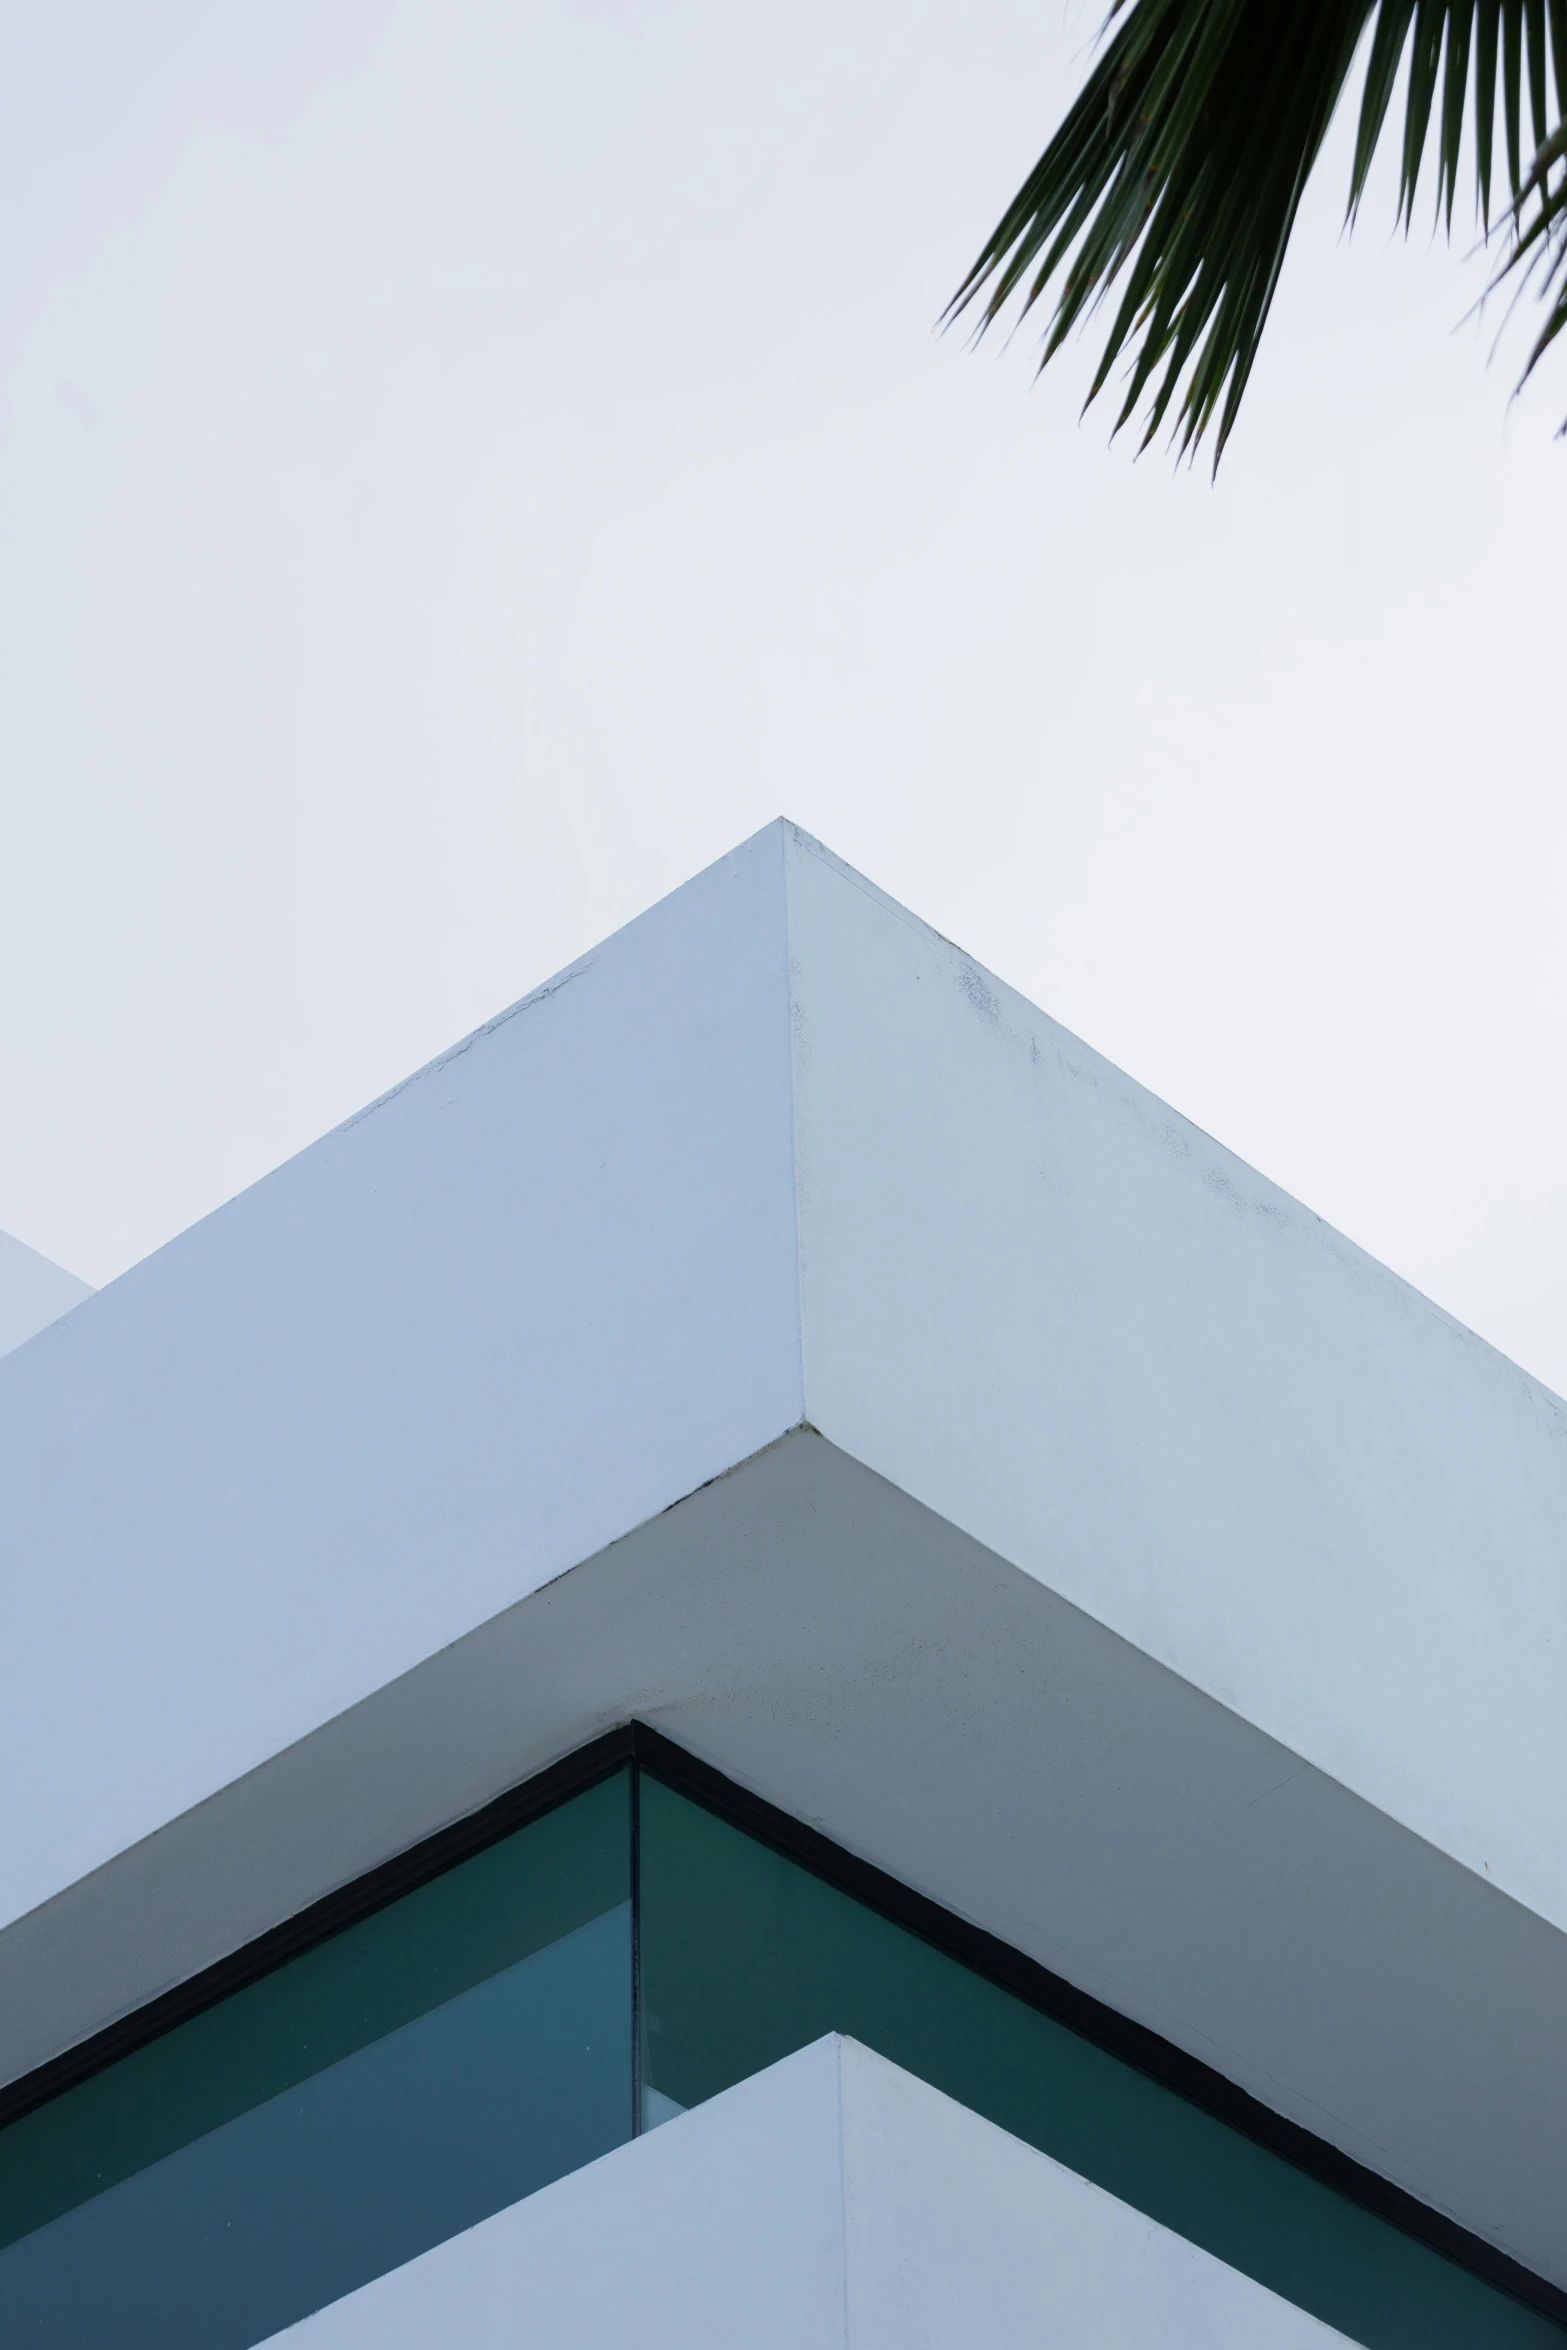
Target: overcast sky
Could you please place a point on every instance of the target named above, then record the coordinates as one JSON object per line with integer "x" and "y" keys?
{"x": 464, "y": 466}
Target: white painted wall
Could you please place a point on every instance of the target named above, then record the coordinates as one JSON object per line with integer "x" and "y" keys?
{"x": 1043, "y": 1302}
{"x": 553, "y": 1283}
{"x": 33, "y": 1292}
{"x": 959, "y": 2237}
{"x": 830, "y": 2203}
{"x": 527, "y": 1301}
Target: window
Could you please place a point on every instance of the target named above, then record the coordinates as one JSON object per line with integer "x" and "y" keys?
{"x": 746, "y": 1955}
{"x": 383, "y": 2090}
{"x": 648, "y": 1941}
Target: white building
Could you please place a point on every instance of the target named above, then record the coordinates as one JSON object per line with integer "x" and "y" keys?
{"x": 770, "y": 1663}
{"x": 33, "y": 1293}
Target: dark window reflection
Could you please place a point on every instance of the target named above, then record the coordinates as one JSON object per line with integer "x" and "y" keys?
{"x": 374, "y": 2096}
{"x": 746, "y": 1956}
{"x": 473, "y": 2040}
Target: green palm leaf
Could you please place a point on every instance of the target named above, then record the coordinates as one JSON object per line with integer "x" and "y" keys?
{"x": 1540, "y": 242}
{"x": 1176, "y": 177}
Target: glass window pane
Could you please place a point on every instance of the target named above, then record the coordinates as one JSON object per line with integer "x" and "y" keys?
{"x": 746, "y": 1956}
{"x": 376, "y": 2094}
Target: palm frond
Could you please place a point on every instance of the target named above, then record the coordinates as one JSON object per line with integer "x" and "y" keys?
{"x": 1177, "y": 175}
{"x": 1539, "y": 243}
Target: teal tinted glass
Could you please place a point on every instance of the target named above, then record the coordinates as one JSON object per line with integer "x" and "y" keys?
{"x": 373, "y": 2096}
{"x": 745, "y": 1956}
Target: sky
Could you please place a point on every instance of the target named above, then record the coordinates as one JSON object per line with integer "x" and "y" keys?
{"x": 463, "y": 467}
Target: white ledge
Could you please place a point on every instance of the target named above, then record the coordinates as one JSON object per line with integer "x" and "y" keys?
{"x": 831, "y": 2203}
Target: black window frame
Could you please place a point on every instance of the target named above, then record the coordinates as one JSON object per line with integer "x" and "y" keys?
{"x": 638, "y": 1746}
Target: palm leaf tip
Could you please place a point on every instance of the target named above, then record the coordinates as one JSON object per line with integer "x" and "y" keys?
{"x": 1538, "y": 244}
{"x": 1175, "y": 179}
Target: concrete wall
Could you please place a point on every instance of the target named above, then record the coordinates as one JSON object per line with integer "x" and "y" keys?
{"x": 1047, "y": 1305}
{"x": 830, "y": 2203}
{"x": 527, "y": 1301}
{"x": 555, "y": 1282}
{"x": 33, "y": 1293}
